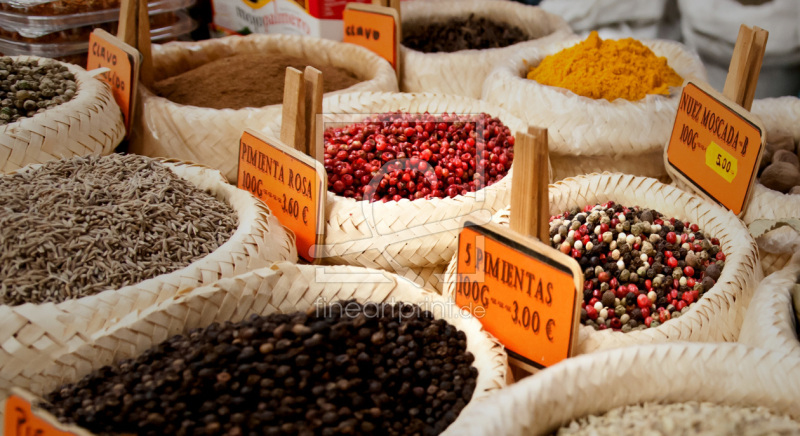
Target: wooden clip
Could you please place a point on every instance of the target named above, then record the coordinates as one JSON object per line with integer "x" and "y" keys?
{"x": 743, "y": 72}
{"x": 134, "y": 30}
{"x": 313, "y": 96}
{"x": 293, "y": 122}
{"x": 530, "y": 209}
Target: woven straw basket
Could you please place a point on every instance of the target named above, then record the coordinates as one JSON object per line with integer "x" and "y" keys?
{"x": 32, "y": 334}
{"x": 282, "y": 288}
{"x": 211, "y": 136}
{"x": 90, "y": 123}
{"x": 398, "y": 235}
{"x": 717, "y": 316}
{"x": 463, "y": 72}
{"x": 778, "y": 115}
{"x": 770, "y": 320}
{"x": 586, "y": 134}
{"x": 726, "y": 374}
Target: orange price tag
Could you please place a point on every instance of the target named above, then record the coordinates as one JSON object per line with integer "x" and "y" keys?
{"x": 375, "y": 28}
{"x": 107, "y": 51}
{"x": 291, "y": 183}
{"x": 23, "y": 420}
{"x": 716, "y": 147}
{"x": 524, "y": 292}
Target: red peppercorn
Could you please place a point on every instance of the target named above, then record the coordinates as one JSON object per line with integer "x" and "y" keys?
{"x": 648, "y": 284}
{"x": 645, "y": 311}
{"x": 613, "y": 283}
{"x": 690, "y": 282}
{"x": 673, "y": 294}
{"x": 667, "y": 254}
{"x": 602, "y": 327}
{"x": 714, "y": 241}
{"x": 664, "y": 316}
{"x": 596, "y": 294}
{"x": 672, "y": 262}
{"x": 694, "y": 228}
{"x": 681, "y": 304}
{"x": 720, "y": 256}
{"x": 633, "y": 288}
{"x": 591, "y": 312}
{"x": 643, "y": 301}
{"x": 587, "y": 285}
{"x": 593, "y": 301}
{"x": 611, "y": 313}
{"x": 671, "y": 238}
{"x": 604, "y": 277}
{"x": 616, "y": 324}
{"x": 688, "y": 271}
{"x": 648, "y": 321}
{"x": 688, "y": 297}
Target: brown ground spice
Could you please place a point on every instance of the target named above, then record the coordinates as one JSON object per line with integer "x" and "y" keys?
{"x": 244, "y": 80}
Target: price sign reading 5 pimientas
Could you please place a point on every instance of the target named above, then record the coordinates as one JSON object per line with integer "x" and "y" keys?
{"x": 291, "y": 183}
{"x": 715, "y": 147}
{"x": 523, "y": 292}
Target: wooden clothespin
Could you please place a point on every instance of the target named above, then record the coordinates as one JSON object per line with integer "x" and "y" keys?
{"x": 134, "y": 30}
{"x": 748, "y": 55}
{"x": 394, "y": 4}
{"x": 302, "y": 103}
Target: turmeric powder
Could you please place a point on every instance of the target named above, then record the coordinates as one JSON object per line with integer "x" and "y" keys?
{"x": 609, "y": 69}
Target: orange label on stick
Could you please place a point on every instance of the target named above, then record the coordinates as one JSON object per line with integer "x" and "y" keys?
{"x": 371, "y": 29}
{"x": 522, "y": 296}
{"x": 715, "y": 147}
{"x": 292, "y": 184}
{"x": 20, "y": 420}
{"x": 106, "y": 51}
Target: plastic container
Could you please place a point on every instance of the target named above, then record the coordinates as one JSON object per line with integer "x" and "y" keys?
{"x": 31, "y": 25}
{"x": 75, "y": 51}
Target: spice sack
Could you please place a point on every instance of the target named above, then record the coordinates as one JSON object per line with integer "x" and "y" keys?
{"x": 729, "y": 389}
{"x": 290, "y": 329}
{"x": 715, "y": 315}
{"x": 462, "y": 72}
{"x": 781, "y": 119}
{"x": 72, "y": 114}
{"x": 211, "y": 136}
{"x": 587, "y": 134}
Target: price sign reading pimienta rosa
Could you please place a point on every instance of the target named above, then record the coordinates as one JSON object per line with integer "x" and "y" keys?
{"x": 375, "y": 28}
{"x": 291, "y": 183}
{"x": 22, "y": 419}
{"x": 716, "y": 147}
{"x": 524, "y": 292}
{"x": 107, "y": 51}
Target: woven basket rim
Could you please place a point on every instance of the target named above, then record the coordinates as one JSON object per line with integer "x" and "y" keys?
{"x": 263, "y": 38}
{"x": 86, "y": 87}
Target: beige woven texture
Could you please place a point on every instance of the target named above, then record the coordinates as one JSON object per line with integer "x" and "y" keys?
{"x": 283, "y": 288}
{"x": 717, "y": 316}
{"x": 405, "y": 234}
{"x": 31, "y": 335}
{"x": 211, "y": 136}
{"x": 586, "y": 134}
{"x": 463, "y": 72}
{"x": 727, "y": 374}
{"x": 770, "y": 320}
{"x": 779, "y": 115}
{"x": 90, "y": 123}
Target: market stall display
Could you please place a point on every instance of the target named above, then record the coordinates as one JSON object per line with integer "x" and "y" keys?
{"x": 369, "y": 354}
{"x": 772, "y": 318}
{"x": 61, "y": 317}
{"x": 615, "y": 108}
{"x": 52, "y": 110}
{"x": 211, "y": 136}
{"x": 729, "y": 280}
{"x": 458, "y": 60}
{"x": 418, "y": 230}
{"x": 726, "y": 380}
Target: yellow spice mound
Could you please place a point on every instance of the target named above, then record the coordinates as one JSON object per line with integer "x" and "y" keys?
{"x": 609, "y": 69}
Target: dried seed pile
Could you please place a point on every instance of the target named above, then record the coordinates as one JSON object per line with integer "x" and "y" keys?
{"x": 470, "y": 33}
{"x": 641, "y": 269}
{"x": 397, "y": 155}
{"x": 31, "y": 87}
{"x": 72, "y": 228}
{"x": 346, "y": 368}
{"x": 689, "y": 419}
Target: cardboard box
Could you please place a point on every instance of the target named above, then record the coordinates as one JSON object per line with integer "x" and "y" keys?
{"x": 319, "y": 18}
